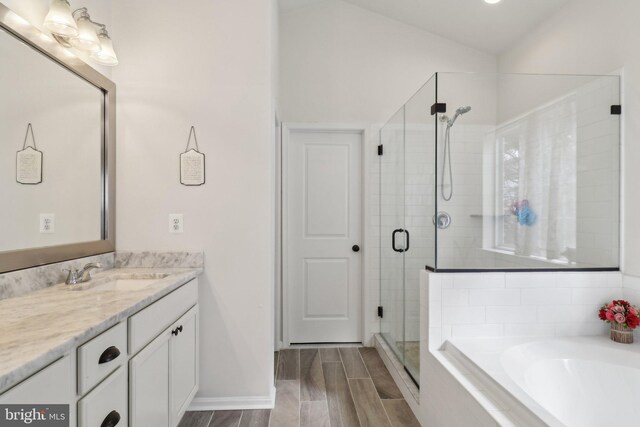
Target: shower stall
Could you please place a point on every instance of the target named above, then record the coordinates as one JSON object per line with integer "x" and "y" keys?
{"x": 495, "y": 172}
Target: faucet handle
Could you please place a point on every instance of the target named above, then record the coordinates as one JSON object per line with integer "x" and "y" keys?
{"x": 72, "y": 276}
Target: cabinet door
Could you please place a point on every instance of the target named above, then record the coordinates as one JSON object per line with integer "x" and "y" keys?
{"x": 183, "y": 369}
{"x": 149, "y": 384}
{"x": 55, "y": 384}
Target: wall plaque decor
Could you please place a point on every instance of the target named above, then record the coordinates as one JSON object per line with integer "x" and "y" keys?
{"x": 192, "y": 163}
{"x": 29, "y": 161}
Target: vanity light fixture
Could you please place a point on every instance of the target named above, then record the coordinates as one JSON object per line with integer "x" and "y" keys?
{"x": 492, "y": 1}
{"x": 79, "y": 31}
{"x": 59, "y": 19}
{"x": 106, "y": 55}
{"x": 87, "y": 38}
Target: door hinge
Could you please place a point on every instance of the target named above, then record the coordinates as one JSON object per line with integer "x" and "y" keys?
{"x": 380, "y": 150}
{"x": 380, "y": 311}
{"x": 438, "y": 107}
{"x": 616, "y": 110}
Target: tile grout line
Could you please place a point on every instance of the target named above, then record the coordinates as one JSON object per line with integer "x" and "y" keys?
{"x": 326, "y": 393}
{"x": 344, "y": 369}
{"x": 375, "y": 388}
{"x": 210, "y": 419}
{"x": 300, "y": 392}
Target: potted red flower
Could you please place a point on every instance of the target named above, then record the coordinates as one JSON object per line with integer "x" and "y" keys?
{"x": 623, "y": 318}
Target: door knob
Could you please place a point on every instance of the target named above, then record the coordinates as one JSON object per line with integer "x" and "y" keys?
{"x": 355, "y": 248}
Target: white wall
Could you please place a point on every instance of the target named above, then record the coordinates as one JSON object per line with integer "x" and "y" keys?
{"x": 208, "y": 64}
{"x": 594, "y": 37}
{"x": 342, "y": 64}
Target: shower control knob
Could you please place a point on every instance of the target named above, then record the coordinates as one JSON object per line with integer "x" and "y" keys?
{"x": 355, "y": 248}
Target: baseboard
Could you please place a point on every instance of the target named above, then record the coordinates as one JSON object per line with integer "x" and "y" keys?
{"x": 233, "y": 403}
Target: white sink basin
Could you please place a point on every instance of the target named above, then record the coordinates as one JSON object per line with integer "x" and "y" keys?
{"x": 126, "y": 284}
{"x": 120, "y": 282}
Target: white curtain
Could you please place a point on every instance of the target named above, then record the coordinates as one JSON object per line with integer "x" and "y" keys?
{"x": 547, "y": 181}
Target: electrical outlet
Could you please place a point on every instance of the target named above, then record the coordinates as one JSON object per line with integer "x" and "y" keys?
{"x": 176, "y": 223}
{"x": 47, "y": 223}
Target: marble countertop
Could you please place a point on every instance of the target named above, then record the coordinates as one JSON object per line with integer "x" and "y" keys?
{"x": 41, "y": 326}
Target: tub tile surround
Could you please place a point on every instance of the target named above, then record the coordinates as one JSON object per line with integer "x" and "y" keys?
{"x": 518, "y": 304}
{"x": 41, "y": 326}
{"x": 21, "y": 282}
{"x": 501, "y": 308}
{"x": 151, "y": 259}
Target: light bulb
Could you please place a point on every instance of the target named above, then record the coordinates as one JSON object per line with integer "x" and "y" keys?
{"x": 87, "y": 38}
{"x": 106, "y": 55}
{"x": 59, "y": 19}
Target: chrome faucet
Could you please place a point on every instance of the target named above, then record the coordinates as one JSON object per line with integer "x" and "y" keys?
{"x": 81, "y": 276}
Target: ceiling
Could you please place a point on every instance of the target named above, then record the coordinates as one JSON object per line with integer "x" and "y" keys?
{"x": 490, "y": 28}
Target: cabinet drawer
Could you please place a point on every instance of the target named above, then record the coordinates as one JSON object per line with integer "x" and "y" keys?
{"x": 101, "y": 356}
{"x": 148, "y": 323}
{"x": 107, "y": 404}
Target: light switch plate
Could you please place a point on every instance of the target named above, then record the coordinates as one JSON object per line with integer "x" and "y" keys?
{"x": 47, "y": 223}
{"x": 176, "y": 223}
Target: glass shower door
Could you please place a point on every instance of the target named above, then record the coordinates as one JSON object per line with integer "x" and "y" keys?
{"x": 407, "y": 234}
{"x": 391, "y": 165}
{"x": 419, "y": 209}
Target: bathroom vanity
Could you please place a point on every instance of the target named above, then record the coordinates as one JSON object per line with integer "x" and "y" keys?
{"x": 119, "y": 350}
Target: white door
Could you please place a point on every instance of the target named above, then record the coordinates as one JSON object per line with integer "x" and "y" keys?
{"x": 323, "y": 227}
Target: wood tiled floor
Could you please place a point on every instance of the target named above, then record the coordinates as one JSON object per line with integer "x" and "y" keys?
{"x": 327, "y": 387}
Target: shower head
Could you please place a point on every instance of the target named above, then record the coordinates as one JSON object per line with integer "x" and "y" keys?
{"x": 463, "y": 110}
{"x": 460, "y": 111}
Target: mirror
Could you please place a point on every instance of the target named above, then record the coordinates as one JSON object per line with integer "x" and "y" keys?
{"x": 56, "y": 151}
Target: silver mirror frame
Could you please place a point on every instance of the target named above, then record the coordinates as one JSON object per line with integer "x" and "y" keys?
{"x": 27, "y": 258}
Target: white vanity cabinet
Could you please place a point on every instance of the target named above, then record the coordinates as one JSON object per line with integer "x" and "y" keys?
{"x": 52, "y": 385}
{"x": 163, "y": 376}
{"x": 141, "y": 372}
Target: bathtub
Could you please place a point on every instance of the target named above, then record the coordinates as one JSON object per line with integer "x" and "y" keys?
{"x": 573, "y": 382}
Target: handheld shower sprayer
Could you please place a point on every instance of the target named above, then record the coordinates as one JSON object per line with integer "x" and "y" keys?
{"x": 446, "y": 158}
{"x": 460, "y": 111}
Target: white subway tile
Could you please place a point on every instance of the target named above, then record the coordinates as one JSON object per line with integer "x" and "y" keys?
{"x": 582, "y": 328}
{"x": 588, "y": 280}
{"x": 463, "y": 315}
{"x": 474, "y": 331}
{"x": 567, "y": 313}
{"x": 478, "y": 280}
{"x": 597, "y": 296}
{"x": 455, "y": 297}
{"x": 632, "y": 296}
{"x": 512, "y": 314}
{"x": 530, "y": 280}
{"x": 529, "y": 330}
{"x": 545, "y": 296}
{"x": 435, "y": 316}
{"x": 631, "y": 282}
{"x": 494, "y": 297}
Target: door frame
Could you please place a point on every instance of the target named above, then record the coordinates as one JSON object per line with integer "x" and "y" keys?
{"x": 283, "y": 334}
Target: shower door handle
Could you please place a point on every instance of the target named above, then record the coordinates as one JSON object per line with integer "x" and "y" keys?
{"x": 406, "y": 249}
{"x": 393, "y": 239}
